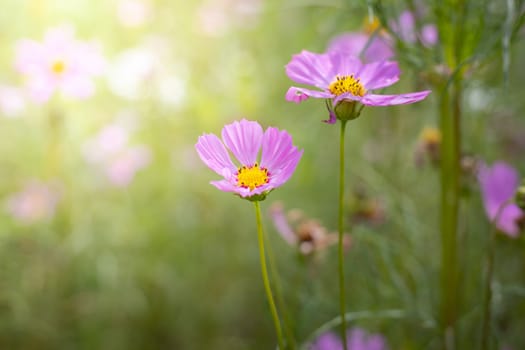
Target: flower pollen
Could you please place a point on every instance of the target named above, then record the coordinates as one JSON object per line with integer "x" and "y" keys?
{"x": 252, "y": 177}
{"x": 58, "y": 67}
{"x": 347, "y": 83}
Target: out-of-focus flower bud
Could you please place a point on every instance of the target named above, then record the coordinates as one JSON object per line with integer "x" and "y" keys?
{"x": 428, "y": 147}
{"x": 520, "y": 196}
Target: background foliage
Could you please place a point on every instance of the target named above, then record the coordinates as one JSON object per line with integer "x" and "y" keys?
{"x": 169, "y": 262}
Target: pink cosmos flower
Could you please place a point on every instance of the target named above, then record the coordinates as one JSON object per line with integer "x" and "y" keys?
{"x": 499, "y": 184}
{"x": 250, "y": 178}
{"x": 340, "y": 77}
{"x": 358, "y": 339}
{"x": 59, "y": 63}
{"x": 360, "y": 44}
{"x": 36, "y": 202}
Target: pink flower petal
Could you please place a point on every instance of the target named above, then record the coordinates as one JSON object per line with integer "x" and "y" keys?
{"x": 390, "y": 100}
{"x": 244, "y": 139}
{"x": 311, "y": 69}
{"x": 429, "y": 35}
{"x": 378, "y": 75}
{"x": 499, "y": 184}
{"x": 279, "y": 155}
{"x": 213, "y": 153}
{"x": 343, "y": 65}
{"x": 281, "y": 223}
{"x": 297, "y": 94}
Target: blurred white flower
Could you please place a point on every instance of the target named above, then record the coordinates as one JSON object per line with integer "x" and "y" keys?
{"x": 12, "y": 101}
{"x": 130, "y": 70}
{"x": 479, "y": 98}
{"x": 36, "y": 202}
{"x": 142, "y": 72}
{"x": 171, "y": 90}
{"x": 212, "y": 19}
{"x": 133, "y": 13}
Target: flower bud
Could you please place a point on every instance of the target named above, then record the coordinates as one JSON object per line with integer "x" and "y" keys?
{"x": 346, "y": 110}
{"x": 520, "y": 196}
{"x": 428, "y": 147}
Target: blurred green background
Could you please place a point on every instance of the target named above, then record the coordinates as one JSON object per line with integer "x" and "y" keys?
{"x": 169, "y": 262}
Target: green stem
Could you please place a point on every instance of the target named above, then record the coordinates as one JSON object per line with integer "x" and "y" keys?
{"x": 279, "y": 296}
{"x": 450, "y": 173}
{"x": 341, "y": 230}
{"x": 266, "y": 280}
{"x": 487, "y": 310}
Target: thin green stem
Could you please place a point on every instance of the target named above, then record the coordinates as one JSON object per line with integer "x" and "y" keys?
{"x": 449, "y": 217}
{"x": 266, "y": 280}
{"x": 487, "y": 302}
{"x": 279, "y": 296}
{"x": 341, "y": 230}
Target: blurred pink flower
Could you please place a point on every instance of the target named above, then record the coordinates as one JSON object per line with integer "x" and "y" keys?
{"x": 308, "y": 235}
{"x": 360, "y": 44}
{"x": 133, "y": 13}
{"x": 59, "y": 63}
{"x": 36, "y": 202}
{"x": 499, "y": 184}
{"x": 111, "y": 140}
{"x": 216, "y": 17}
{"x": 109, "y": 151}
{"x": 12, "y": 101}
{"x": 121, "y": 170}
{"x": 405, "y": 28}
{"x": 358, "y": 339}
{"x": 429, "y": 35}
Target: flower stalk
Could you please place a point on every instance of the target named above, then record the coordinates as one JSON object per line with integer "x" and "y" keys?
{"x": 342, "y": 303}
{"x": 291, "y": 343}
{"x": 487, "y": 287}
{"x": 266, "y": 280}
{"x": 450, "y": 173}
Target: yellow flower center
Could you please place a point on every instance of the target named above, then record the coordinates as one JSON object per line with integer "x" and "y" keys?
{"x": 252, "y": 177}
{"x": 58, "y": 67}
{"x": 347, "y": 83}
